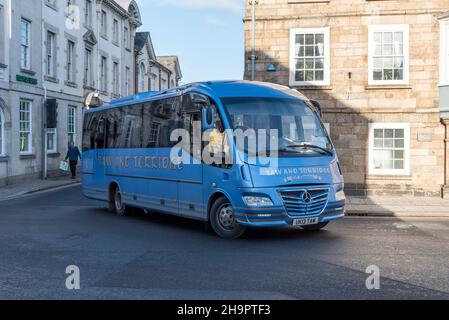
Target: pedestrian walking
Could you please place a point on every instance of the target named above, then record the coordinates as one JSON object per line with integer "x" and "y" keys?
{"x": 72, "y": 156}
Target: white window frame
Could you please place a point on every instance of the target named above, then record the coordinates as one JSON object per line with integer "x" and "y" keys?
{"x": 444, "y": 52}
{"x": 51, "y": 54}
{"x": 116, "y": 77}
{"x": 127, "y": 80}
{"x": 54, "y": 133}
{"x": 88, "y": 78}
{"x": 326, "y": 77}
{"x": 25, "y": 48}
{"x": 104, "y": 24}
{"x": 70, "y": 61}
{"x": 69, "y": 109}
{"x": 29, "y": 149}
{"x": 115, "y": 31}
{"x": 88, "y": 12}
{"x": 103, "y": 74}
{"x": 2, "y": 133}
{"x": 405, "y": 29}
{"x": 382, "y": 125}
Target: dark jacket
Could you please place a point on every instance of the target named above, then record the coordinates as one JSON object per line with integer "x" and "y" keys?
{"x": 73, "y": 154}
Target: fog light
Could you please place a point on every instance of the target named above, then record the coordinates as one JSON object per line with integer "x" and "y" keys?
{"x": 340, "y": 196}
{"x": 252, "y": 201}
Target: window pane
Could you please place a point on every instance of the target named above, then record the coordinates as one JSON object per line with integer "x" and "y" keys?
{"x": 319, "y": 63}
{"x": 399, "y": 164}
{"x": 310, "y": 51}
{"x": 389, "y": 133}
{"x": 398, "y": 37}
{"x": 309, "y": 75}
{"x": 399, "y": 133}
{"x": 319, "y": 75}
{"x": 378, "y": 133}
{"x": 378, "y": 143}
{"x": 388, "y": 74}
{"x": 399, "y": 154}
{"x": 377, "y": 74}
{"x": 378, "y": 37}
{"x": 398, "y": 74}
{"x": 309, "y": 39}
{"x": 309, "y": 64}
{"x": 299, "y": 76}
{"x": 388, "y": 37}
{"x": 388, "y": 143}
{"x": 399, "y": 143}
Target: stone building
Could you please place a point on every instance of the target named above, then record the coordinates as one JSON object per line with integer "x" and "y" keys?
{"x": 375, "y": 68}
{"x": 154, "y": 73}
{"x": 61, "y": 50}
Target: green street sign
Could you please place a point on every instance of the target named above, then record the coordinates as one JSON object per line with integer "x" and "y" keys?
{"x": 24, "y": 79}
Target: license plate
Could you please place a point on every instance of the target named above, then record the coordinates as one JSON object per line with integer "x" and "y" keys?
{"x": 305, "y": 222}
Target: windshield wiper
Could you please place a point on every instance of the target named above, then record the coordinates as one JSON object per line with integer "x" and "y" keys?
{"x": 310, "y": 146}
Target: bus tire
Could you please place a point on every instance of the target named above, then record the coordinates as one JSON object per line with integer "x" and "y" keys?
{"x": 116, "y": 201}
{"x": 223, "y": 220}
{"x": 316, "y": 227}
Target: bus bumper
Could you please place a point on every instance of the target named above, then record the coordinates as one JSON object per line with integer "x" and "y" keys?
{"x": 279, "y": 218}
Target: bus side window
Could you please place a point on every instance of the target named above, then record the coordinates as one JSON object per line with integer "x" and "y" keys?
{"x": 100, "y": 133}
{"x": 87, "y": 131}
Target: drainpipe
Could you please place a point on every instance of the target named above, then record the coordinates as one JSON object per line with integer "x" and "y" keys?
{"x": 44, "y": 106}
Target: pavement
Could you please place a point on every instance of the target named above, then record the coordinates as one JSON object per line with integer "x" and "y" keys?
{"x": 356, "y": 206}
{"x": 18, "y": 190}
{"x": 154, "y": 256}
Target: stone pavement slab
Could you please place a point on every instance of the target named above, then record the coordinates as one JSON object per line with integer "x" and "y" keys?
{"x": 31, "y": 186}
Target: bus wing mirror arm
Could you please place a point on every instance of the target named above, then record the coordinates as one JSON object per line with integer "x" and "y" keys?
{"x": 318, "y": 108}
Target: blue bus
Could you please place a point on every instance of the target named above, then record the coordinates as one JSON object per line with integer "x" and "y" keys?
{"x": 129, "y": 147}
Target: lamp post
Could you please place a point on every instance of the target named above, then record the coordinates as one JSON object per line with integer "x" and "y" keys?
{"x": 253, "y": 36}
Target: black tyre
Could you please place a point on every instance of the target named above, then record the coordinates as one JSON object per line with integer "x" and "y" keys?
{"x": 316, "y": 227}
{"x": 117, "y": 204}
{"x": 224, "y": 221}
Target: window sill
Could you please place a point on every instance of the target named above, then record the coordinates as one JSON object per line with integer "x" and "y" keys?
{"x": 4, "y": 158}
{"x": 104, "y": 37}
{"x": 90, "y": 88}
{"x": 307, "y": 1}
{"x": 51, "y": 79}
{"x": 388, "y": 87}
{"x": 392, "y": 176}
{"x": 25, "y": 156}
{"x": 29, "y": 72}
{"x": 52, "y": 6}
{"x": 70, "y": 84}
{"x": 316, "y": 87}
{"x": 53, "y": 154}
{"x": 115, "y": 43}
{"x": 3, "y": 66}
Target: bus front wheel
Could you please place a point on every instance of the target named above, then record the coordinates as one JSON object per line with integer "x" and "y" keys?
{"x": 224, "y": 221}
{"x": 116, "y": 202}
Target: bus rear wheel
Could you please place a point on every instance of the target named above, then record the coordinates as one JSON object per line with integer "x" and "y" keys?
{"x": 224, "y": 221}
{"x": 116, "y": 202}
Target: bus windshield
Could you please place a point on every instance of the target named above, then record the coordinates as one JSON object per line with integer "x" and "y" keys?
{"x": 299, "y": 130}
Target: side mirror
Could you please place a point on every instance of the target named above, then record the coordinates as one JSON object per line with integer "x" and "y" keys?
{"x": 208, "y": 117}
{"x": 317, "y": 106}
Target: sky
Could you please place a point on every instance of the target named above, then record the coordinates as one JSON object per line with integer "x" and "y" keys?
{"x": 207, "y": 35}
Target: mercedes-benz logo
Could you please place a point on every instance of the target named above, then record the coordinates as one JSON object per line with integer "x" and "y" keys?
{"x": 306, "y": 197}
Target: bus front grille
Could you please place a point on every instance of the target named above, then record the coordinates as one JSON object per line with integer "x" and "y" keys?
{"x": 305, "y": 202}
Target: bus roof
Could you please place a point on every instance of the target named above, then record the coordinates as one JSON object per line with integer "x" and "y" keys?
{"x": 216, "y": 89}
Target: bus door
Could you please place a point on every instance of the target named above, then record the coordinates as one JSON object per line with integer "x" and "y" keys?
{"x": 190, "y": 182}
{"x": 97, "y": 136}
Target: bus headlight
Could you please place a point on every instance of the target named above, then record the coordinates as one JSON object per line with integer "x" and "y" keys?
{"x": 340, "y": 196}
{"x": 257, "y": 201}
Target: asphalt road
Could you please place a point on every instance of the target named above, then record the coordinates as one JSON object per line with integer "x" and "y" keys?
{"x": 161, "y": 257}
